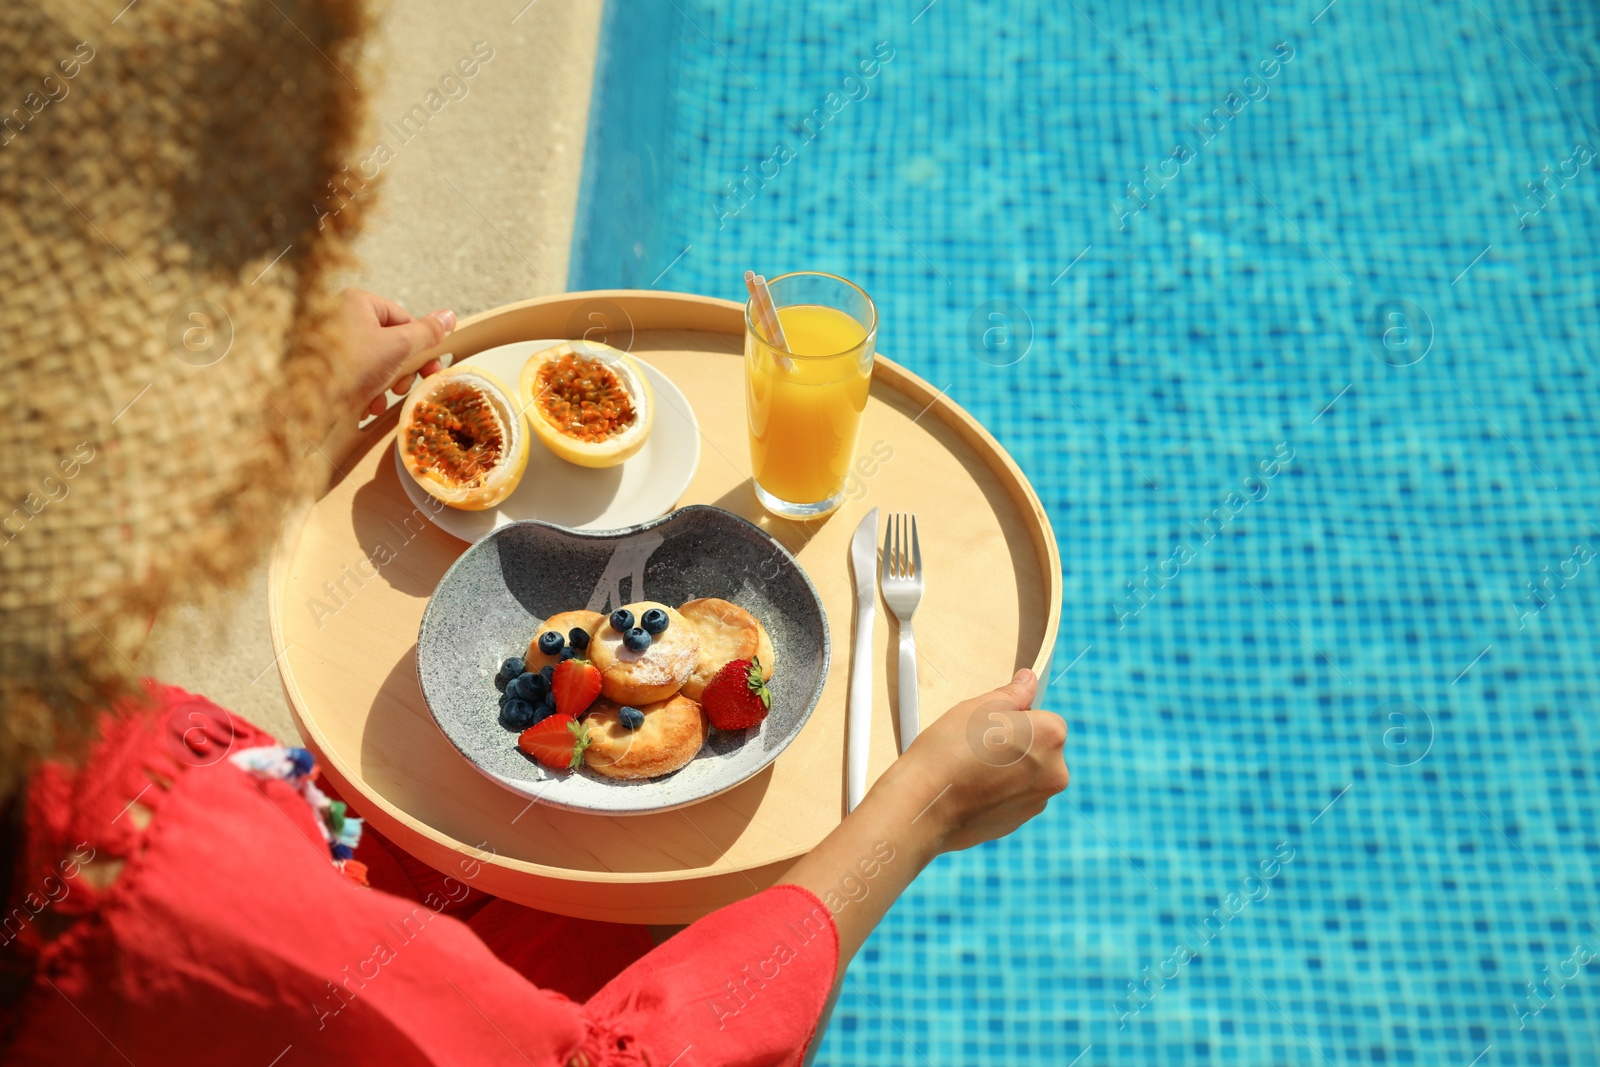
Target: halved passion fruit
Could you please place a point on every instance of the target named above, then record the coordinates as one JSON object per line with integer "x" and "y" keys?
{"x": 589, "y": 403}
{"x": 463, "y": 439}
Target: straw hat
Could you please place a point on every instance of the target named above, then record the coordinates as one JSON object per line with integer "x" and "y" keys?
{"x": 167, "y": 228}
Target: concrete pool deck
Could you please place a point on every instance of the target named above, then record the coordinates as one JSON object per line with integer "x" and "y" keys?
{"x": 476, "y": 210}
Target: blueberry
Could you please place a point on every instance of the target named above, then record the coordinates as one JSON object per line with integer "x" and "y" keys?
{"x": 578, "y": 638}
{"x": 500, "y": 682}
{"x": 512, "y": 667}
{"x": 632, "y": 718}
{"x": 622, "y": 620}
{"x": 550, "y": 642}
{"x": 503, "y": 698}
{"x": 654, "y": 621}
{"x": 541, "y": 713}
{"x": 549, "y": 673}
{"x": 568, "y": 653}
{"x": 549, "y": 699}
{"x": 517, "y": 715}
{"x": 529, "y": 687}
{"x": 636, "y": 640}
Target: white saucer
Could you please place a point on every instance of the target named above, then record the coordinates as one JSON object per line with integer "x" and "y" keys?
{"x": 581, "y": 498}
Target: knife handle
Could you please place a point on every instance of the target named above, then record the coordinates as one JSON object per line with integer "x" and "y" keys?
{"x": 910, "y": 720}
{"x": 859, "y": 738}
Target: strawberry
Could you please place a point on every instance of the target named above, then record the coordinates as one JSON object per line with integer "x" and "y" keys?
{"x": 737, "y": 697}
{"x": 575, "y": 683}
{"x": 557, "y": 742}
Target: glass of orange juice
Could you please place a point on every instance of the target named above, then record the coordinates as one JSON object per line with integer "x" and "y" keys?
{"x": 804, "y": 401}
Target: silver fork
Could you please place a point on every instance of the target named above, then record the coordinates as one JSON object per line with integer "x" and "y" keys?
{"x": 900, "y": 577}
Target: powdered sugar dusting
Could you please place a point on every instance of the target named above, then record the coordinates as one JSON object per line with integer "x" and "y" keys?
{"x": 670, "y": 658}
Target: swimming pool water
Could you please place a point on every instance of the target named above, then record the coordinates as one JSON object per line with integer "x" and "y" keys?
{"x": 1323, "y": 385}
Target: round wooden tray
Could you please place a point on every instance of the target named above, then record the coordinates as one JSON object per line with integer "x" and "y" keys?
{"x": 349, "y": 584}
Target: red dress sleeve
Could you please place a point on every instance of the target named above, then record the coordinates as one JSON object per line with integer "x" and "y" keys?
{"x": 229, "y": 936}
{"x": 745, "y": 985}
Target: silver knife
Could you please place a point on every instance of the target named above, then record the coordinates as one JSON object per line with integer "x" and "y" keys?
{"x": 864, "y": 562}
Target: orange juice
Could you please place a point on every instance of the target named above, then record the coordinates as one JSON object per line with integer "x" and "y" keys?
{"x": 805, "y": 405}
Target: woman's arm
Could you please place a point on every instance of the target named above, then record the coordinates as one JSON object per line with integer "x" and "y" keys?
{"x": 980, "y": 771}
{"x": 750, "y": 982}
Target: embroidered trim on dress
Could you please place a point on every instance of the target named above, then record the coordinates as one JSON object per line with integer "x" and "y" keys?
{"x": 298, "y": 768}
{"x": 606, "y": 1043}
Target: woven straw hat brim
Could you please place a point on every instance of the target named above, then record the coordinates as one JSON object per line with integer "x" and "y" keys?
{"x": 167, "y": 330}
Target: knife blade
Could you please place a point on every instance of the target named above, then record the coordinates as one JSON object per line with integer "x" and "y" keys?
{"x": 864, "y": 564}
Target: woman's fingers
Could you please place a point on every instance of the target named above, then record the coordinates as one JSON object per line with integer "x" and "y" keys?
{"x": 402, "y": 386}
{"x": 406, "y": 338}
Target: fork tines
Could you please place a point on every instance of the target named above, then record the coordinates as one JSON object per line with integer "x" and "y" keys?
{"x": 902, "y": 552}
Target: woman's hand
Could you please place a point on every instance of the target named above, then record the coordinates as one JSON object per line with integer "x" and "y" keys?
{"x": 384, "y": 343}
{"x": 989, "y": 764}
{"x": 383, "y": 337}
{"x": 978, "y": 772}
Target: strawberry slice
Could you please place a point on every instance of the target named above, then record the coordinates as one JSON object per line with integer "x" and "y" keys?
{"x": 575, "y": 684}
{"x": 557, "y": 742}
{"x": 737, "y": 697}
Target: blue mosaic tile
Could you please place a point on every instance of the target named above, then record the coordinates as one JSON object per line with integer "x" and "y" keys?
{"x": 1373, "y": 669}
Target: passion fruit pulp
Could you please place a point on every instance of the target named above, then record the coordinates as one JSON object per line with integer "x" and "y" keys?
{"x": 587, "y": 402}
{"x": 463, "y": 438}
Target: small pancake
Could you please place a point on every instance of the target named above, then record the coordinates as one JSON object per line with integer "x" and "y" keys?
{"x": 727, "y": 632}
{"x": 641, "y": 678}
{"x": 562, "y": 622}
{"x": 673, "y": 731}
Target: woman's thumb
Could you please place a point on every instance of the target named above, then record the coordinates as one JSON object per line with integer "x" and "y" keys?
{"x": 425, "y": 332}
{"x": 1019, "y": 692}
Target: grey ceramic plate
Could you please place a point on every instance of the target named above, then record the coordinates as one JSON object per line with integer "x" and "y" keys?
{"x": 493, "y": 598}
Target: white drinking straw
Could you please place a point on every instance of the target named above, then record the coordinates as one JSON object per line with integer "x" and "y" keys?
{"x": 767, "y": 315}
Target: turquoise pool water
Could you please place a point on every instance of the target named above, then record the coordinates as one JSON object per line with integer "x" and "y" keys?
{"x": 1313, "y": 407}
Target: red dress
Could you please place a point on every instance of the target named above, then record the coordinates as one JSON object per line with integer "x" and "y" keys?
{"x": 230, "y": 936}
